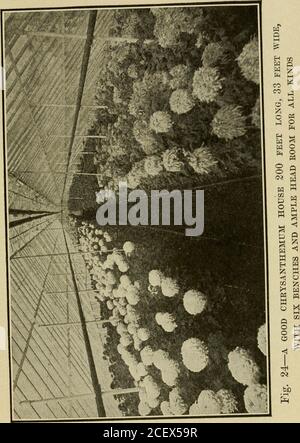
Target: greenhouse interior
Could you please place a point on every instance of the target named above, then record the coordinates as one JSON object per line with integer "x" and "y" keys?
{"x": 128, "y": 321}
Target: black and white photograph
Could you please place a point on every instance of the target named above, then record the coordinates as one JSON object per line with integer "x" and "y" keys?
{"x": 153, "y": 303}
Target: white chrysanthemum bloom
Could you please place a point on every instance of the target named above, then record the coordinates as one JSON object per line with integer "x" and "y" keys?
{"x": 101, "y": 242}
{"x": 180, "y": 74}
{"x": 129, "y": 359}
{"x": 115, "y": 294}
{"x": 162, "y": 77}
{"x": 132, "y": 295}
{"x": 166, "y": 317}
{"x": 153, "y": 165}
{"x": 145, "y": 137}
{"x": 128, "y": 247}
{"x": 120, "y": 292}
{"x": 143, "y": 334}
{"x": 172, "y": 160}
{"x": 166, "y": 321}
{"x": 121, "y": 328}
{"x": 142, "y": 370}
{"x": 134, "y": 179}
{"x": 153, "y": 402}
{"x": 171, "y": 22}
{"x": 194, "y": 409}
{"x": 256, "y": 399}
{"x": 132, "y": 329}
{"x": 160, "y": 358}
{"x": 122, "y": 311}
{"x": 110, "y": 305}
{"x": 165, "y": 408}
{"x": 155, "y": 277}
{"x": 137, "y": 343}
{"x": 208, "y": 402}
{"x": 212, "y": 54}
{"x": 116, "y": 313}
{"x": 207, "y": 84}
{"x": 262, "y": 339}
{"x": 110, "y": 278}
{"x": 147, "y": 355}
{"x": 152, "y": 388}
{"x": 144, "y": 409}
{"x": 170, "y": 372}
{"x": 107, "y": 237}
{"x": 166, "y": 31}
{"x": 194, "y": 302}
{"x": 181, "y": 101}
{"x": 229, "y": 403}
{"x": 169, "y": 287}
{"x": 169, "y": 326}
{"x": 134, "y": 374}
{"x": 126, "y": 356}
{"x": 125, "y": 281}
{"x": 242, "y": 367}
{"x": 248, "y": 61}
{"x": 108, "y": 265}
{"x": 150, "y": 144}
{"x": 123, "y": 265}
{"x": 194, "y": 354}
{"x": 159, "y": 318}
{"x": 202, "y": 160}
{"x": 135, "y": 335}
{"x": 125, "y": 340}
{"x": 110, "y": 258}
{"x": 135, "y": 175}
{"x": 177, "y": 403}
{"x": 229, "y": 122}
{"x": 161, "y": 122}
{"x": 169, "y": 378}
{"x": 116, "y": 303}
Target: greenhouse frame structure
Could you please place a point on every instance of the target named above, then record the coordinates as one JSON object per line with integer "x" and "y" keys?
{"x": 52, "y": 61}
